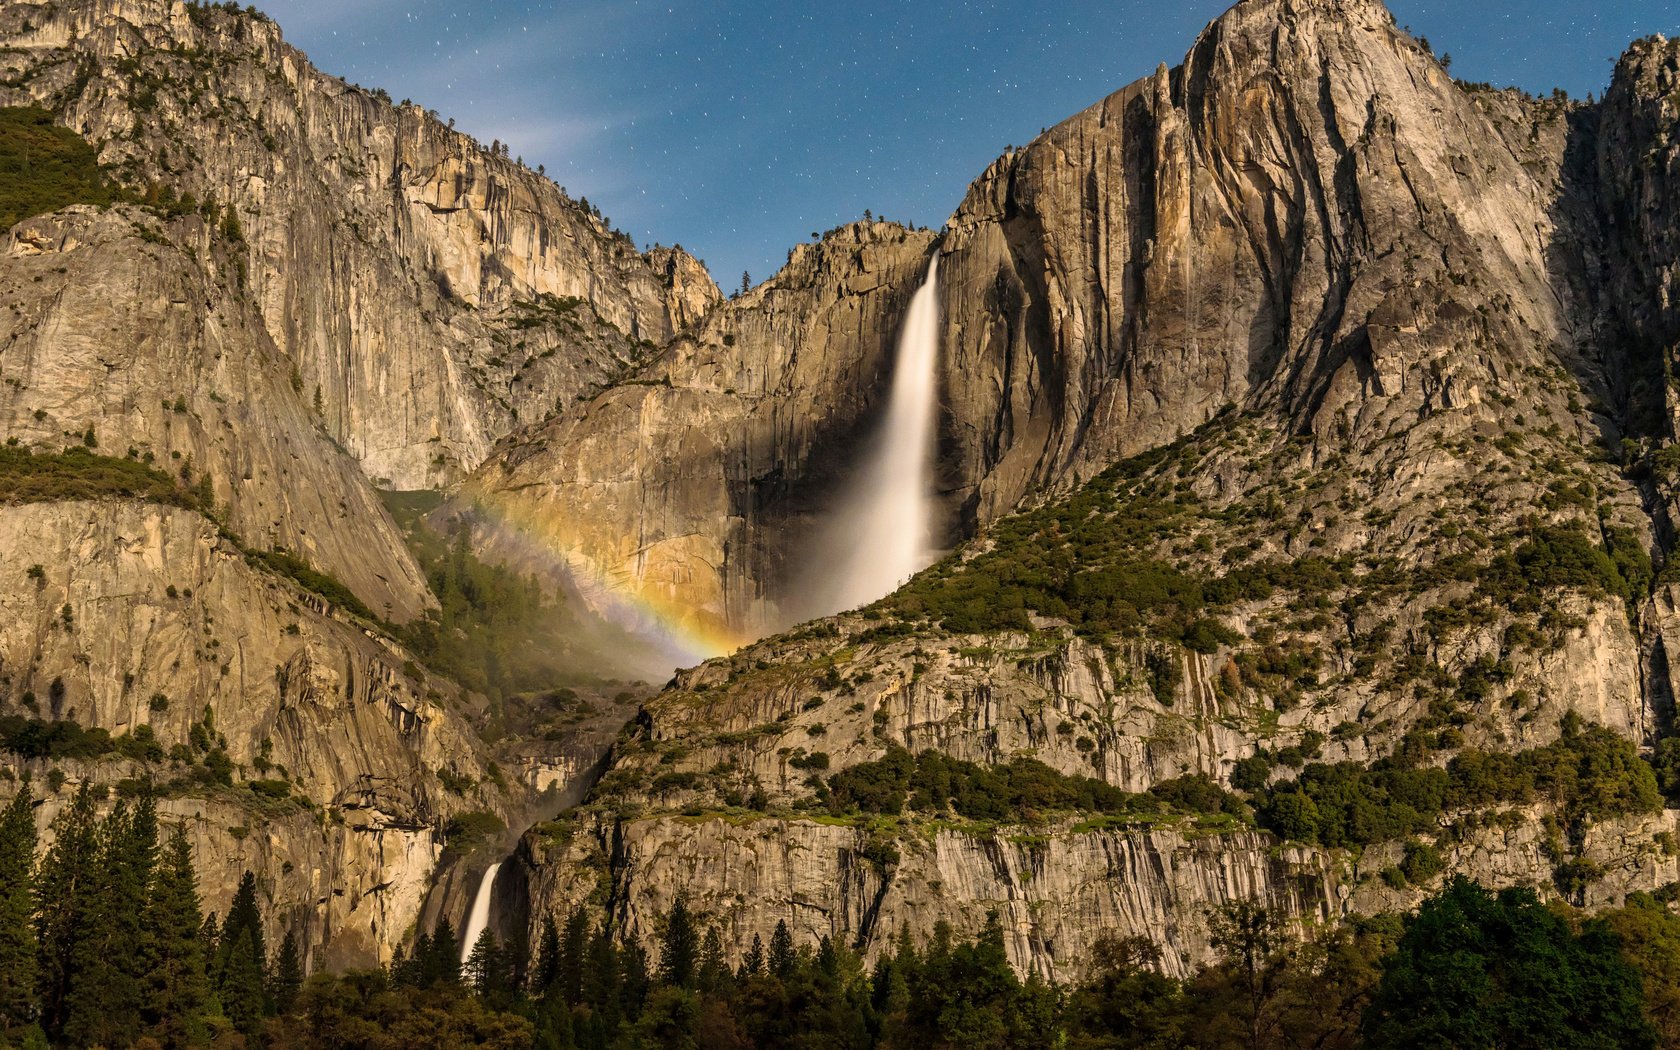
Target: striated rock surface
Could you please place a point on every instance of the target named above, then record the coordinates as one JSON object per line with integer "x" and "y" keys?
{"x": 1308, "y": 219}
{"x": 144, "y": 619}
{"x": 1394, "y": 355}
{"x": 389, "y": 258}
{"x": 1056, "y": 890}
{"x": 124, "y": 330}
{"x": 688, "y": 489}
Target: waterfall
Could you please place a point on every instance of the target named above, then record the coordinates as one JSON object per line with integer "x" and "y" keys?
{"x": 479, "y": 917}
{"x": 883, "y": 532}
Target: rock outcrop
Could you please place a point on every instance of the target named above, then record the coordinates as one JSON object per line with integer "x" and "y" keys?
{"x": 144, "y": 620}
{"x": 390, "y": 259}
{"x": 1394, "y": 354}
{"x": 1307, "y": 219}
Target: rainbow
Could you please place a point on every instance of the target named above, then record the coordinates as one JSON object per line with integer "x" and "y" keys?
{"x": 689, "y": 634}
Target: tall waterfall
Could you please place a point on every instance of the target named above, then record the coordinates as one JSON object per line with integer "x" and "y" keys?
{"x": 479, "y": 917}
{"x": 883, "y": 533}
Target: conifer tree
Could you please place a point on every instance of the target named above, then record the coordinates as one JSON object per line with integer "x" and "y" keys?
{"x": 547, "y": 975}
{"x": 244, "y": 915}
{"x": 412, "y": 970}
{"x": 19, "y": 973}
{"x": 209, "y": 942}
{"x": 104, "y": 1000}
{"x": 573, "y": 951}
{"x": 713, "y": 976}
{"x": 443, "y": 961}
{"x": 64, "y": 889}
{"x": 485, "y": 964}
{"x": 753, "y": 964}
{"x": 287, "y": 979}
{"x": 601, "y": 977}
{"x": 240, "y": 987}
{"x": 633, "y": 980}
{"x": 782, "y": 955}
{"x": 680, "y": 948}
{"x": 175, "y": 988}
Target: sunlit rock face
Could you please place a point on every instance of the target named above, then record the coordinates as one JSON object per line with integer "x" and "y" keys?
{"x": 1307, "y": 218}
{"x": 689, "y": 492}
{"x": 146, "y": 616}
{"x": 387, "y": 256}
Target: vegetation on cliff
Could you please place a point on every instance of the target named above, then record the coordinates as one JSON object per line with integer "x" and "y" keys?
{"x": 44, "y": 167}
{"x": 79, "y": 473}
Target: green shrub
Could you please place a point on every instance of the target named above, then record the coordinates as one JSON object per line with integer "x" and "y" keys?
{"x": 1019, "y": 790}
{"x": 1590, "y": 772}
{"x": 466, "y": 831}
{"x": 80, "y": 474}
{"x": 44, "y": 167}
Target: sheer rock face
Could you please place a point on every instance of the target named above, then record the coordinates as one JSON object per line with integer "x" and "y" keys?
{"x": 1305, "y": 217}
{"x": 385, "y": 252}
{"x": 1308, "y": 219}
{"x": 1387, "y": 273}
{"x": 145, "y": 616}
{"x": 689, "y": 487}
{"x": 137, "y": 341}
{"x": 1056, "y": 891}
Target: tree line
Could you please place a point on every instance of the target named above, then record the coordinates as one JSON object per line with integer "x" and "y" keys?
{"x": 1471, "y": 968}
{"x": 103, "y": 943}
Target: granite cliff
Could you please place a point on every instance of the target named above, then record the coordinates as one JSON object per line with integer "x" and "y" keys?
{"x": 1307, "y": 439}
{"x": 1376, "y": 353}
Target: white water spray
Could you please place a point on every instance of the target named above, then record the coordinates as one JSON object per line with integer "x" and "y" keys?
{"x": 479, "y": 917}
{"x": 883, "y": 535}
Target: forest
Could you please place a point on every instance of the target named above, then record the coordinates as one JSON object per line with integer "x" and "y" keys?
{"x": 103, "y": 943}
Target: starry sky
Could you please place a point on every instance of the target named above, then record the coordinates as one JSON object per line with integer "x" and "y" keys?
{"x": 738, "y": 127}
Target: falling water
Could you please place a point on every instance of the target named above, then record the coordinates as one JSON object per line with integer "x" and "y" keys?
{"x": 479, "y": 917}
{"x": 883, "y": 534}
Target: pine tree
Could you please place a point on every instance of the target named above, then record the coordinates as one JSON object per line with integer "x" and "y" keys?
{"x": 242, "y": 960}
{"x": 443, "y": 963}
{"x": 19, "y": 973}
{"x": 573, "y": 951}
{"x": 287, "y": 979}
{"x": 244, "y": 915}
{"x": 175, "y": 989}
{"x": 601, "y": 977}
{"x": 64, "y": 888}
{"x": 209, "y": 940}
{"x": 547, "y": 975}
{"x": 680, "y": 948}
{"x": 240, "y": 988}
{"x": 753, "y": 964}
{"x": 714, "y": 975}
{"x": 485, "y": 964}
{"x": 104, "y": 1000}
{"x": 633, "y": 980}
{"x": 782, "y": 955}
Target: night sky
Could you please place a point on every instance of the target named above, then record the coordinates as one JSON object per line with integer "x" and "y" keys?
{"x": 738, "y": 128}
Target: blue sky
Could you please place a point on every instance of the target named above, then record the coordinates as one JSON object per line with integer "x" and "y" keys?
{"x": 738, "y": 128}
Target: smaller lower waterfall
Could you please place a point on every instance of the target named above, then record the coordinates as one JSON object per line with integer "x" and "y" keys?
{"x": 479, "y": 917}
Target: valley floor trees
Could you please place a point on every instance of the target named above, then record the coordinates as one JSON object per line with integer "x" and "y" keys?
{"x": 102, "y": 942}
{"x": 1471, "y": 969}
